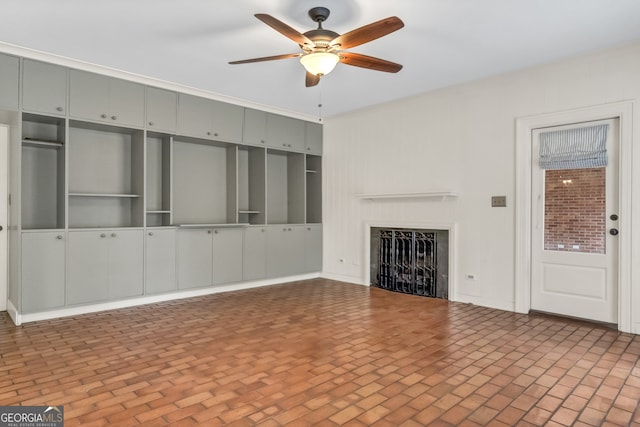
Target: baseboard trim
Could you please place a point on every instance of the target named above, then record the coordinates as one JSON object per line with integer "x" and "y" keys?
{"x": 341, "y": 278}
{"x": 144, "y": 300}
{"x": 12, "y": 311}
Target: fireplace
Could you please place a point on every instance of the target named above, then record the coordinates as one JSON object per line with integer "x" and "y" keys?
{"x": 411, "y": 261}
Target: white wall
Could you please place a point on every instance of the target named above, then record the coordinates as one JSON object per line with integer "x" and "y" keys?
{"x": 460, "y": 139}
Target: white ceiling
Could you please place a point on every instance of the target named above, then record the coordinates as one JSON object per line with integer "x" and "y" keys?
{"x": 444, "y": 42}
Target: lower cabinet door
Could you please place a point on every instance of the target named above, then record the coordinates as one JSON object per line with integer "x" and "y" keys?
{"x": 254, "y": 260}
{"x": 227, "y": 255}
{"x": 126, "y": 263}
{"x": 285, "y": 250}
{"x": 88, "y": 271}
{"x": 160, "y": 263}
{"x": 43, "y": 270}
{"x": 194, "y": 258}
{"x": 313, "y": 248}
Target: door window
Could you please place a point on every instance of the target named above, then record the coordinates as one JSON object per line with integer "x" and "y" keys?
{"x": 575, "y": 210}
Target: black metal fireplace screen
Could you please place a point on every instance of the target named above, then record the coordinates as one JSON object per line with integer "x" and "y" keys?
{"x": 408, "y": 262}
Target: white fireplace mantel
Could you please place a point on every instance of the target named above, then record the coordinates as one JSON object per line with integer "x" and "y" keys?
{"x": 444, "y": 195}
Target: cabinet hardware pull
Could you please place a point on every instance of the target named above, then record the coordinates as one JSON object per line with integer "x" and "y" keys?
{"x": 113, "y": 234}
{"x": 208, "y": 133}
{"x": 104, "y": 116}
{"x": 151, "y": 233}
{"x": 59, "y": 108}
{"x": 59, "y": 237}
{"x": 208, "y": 231}
{"x": 215, "y": 134}
{"x": 216, "y": 231}
{"x": 114, "y": 117}
{"x": 150, "y": 123}
{"x": 103, "y": 235}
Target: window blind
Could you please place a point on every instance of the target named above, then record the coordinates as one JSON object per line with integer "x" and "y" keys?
{"x": 577, "y": 148}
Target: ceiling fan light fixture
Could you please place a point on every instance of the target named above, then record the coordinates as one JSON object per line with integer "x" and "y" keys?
{"x": 319, "y": 63}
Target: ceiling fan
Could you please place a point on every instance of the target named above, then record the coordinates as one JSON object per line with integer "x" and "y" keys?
{"x": 322, "y": 49}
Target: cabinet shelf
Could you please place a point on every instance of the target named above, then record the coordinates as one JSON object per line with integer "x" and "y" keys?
{"x": 242, "y": 224}
{"x": 41, "y": 143}
{"x": 121, "y": 196}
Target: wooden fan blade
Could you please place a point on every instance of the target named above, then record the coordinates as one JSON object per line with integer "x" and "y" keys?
{"x": 311, "y": 79}
{"x": 364, "y": 61}
{"x": 368, "y": 32}
{"x": 267, "y": 58}
{"x": 284, "y": 29}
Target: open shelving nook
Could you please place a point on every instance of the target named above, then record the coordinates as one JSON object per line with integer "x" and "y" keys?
{"x": 105, "y": 176}
{"x": 204, "y": 182}
{"x": 313, "y": 171}
{"x": 43, "y": 172}
{"x": 285, "y": 187}
{"x": 251, "y": 185}
{"x": 159, "y": 165}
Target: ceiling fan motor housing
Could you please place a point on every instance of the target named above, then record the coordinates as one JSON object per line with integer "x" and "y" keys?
{"x": 321, "y": 37}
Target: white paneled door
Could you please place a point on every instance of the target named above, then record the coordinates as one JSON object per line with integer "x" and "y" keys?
{"x": 574, "y": 253}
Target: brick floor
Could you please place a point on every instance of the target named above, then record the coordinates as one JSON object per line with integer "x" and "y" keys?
{"x": 321, "y": 352}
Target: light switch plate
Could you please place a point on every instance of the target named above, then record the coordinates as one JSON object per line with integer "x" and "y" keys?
{"x": 498, "y": 201}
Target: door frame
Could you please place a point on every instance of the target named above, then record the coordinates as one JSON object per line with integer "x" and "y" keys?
{"x": 623, "y": 111}
{"x": 4, "y": 215}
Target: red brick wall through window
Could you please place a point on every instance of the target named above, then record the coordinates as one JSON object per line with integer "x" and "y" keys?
{"x": 574, "y": 211}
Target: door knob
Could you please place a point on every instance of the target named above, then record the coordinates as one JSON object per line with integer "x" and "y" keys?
{"x": 613, "y": 231}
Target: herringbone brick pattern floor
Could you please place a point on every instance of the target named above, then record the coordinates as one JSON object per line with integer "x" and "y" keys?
{"x": 321, "y": 353}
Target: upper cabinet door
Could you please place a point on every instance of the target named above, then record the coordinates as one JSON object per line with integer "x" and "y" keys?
{"x": 313, "y": 138}
{"x": 285, "y": 133}
{"x": 44, "y": 87}
{"x": 162, "y": 110}
{"x": 209, "y": 119}
{"x": 255, "y": 127}
{"x": 105, "y": 99}
{"x": 88, "y": 95}
{"x": 126, "y": 103}
{"x": 9, "y": 70}
{"x": 195, "y": 116}
{"x": 227, "y": 122}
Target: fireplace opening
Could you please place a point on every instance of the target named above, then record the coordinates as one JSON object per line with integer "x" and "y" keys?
{"x": 410, "y": 261}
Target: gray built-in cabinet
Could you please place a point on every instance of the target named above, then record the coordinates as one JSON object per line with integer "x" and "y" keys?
{"x": 44, "y": 87}
{"x": 105, "y": 99}
{"x": 43, "y": 270}
{"x": 209, "y": 119}
{"x": 9, "y": 83}
{"x": 162, "y": 108}
{"x": 160, "y": 260}
{"x": 104, "y": 265}
{"x": 128, "y": 190}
